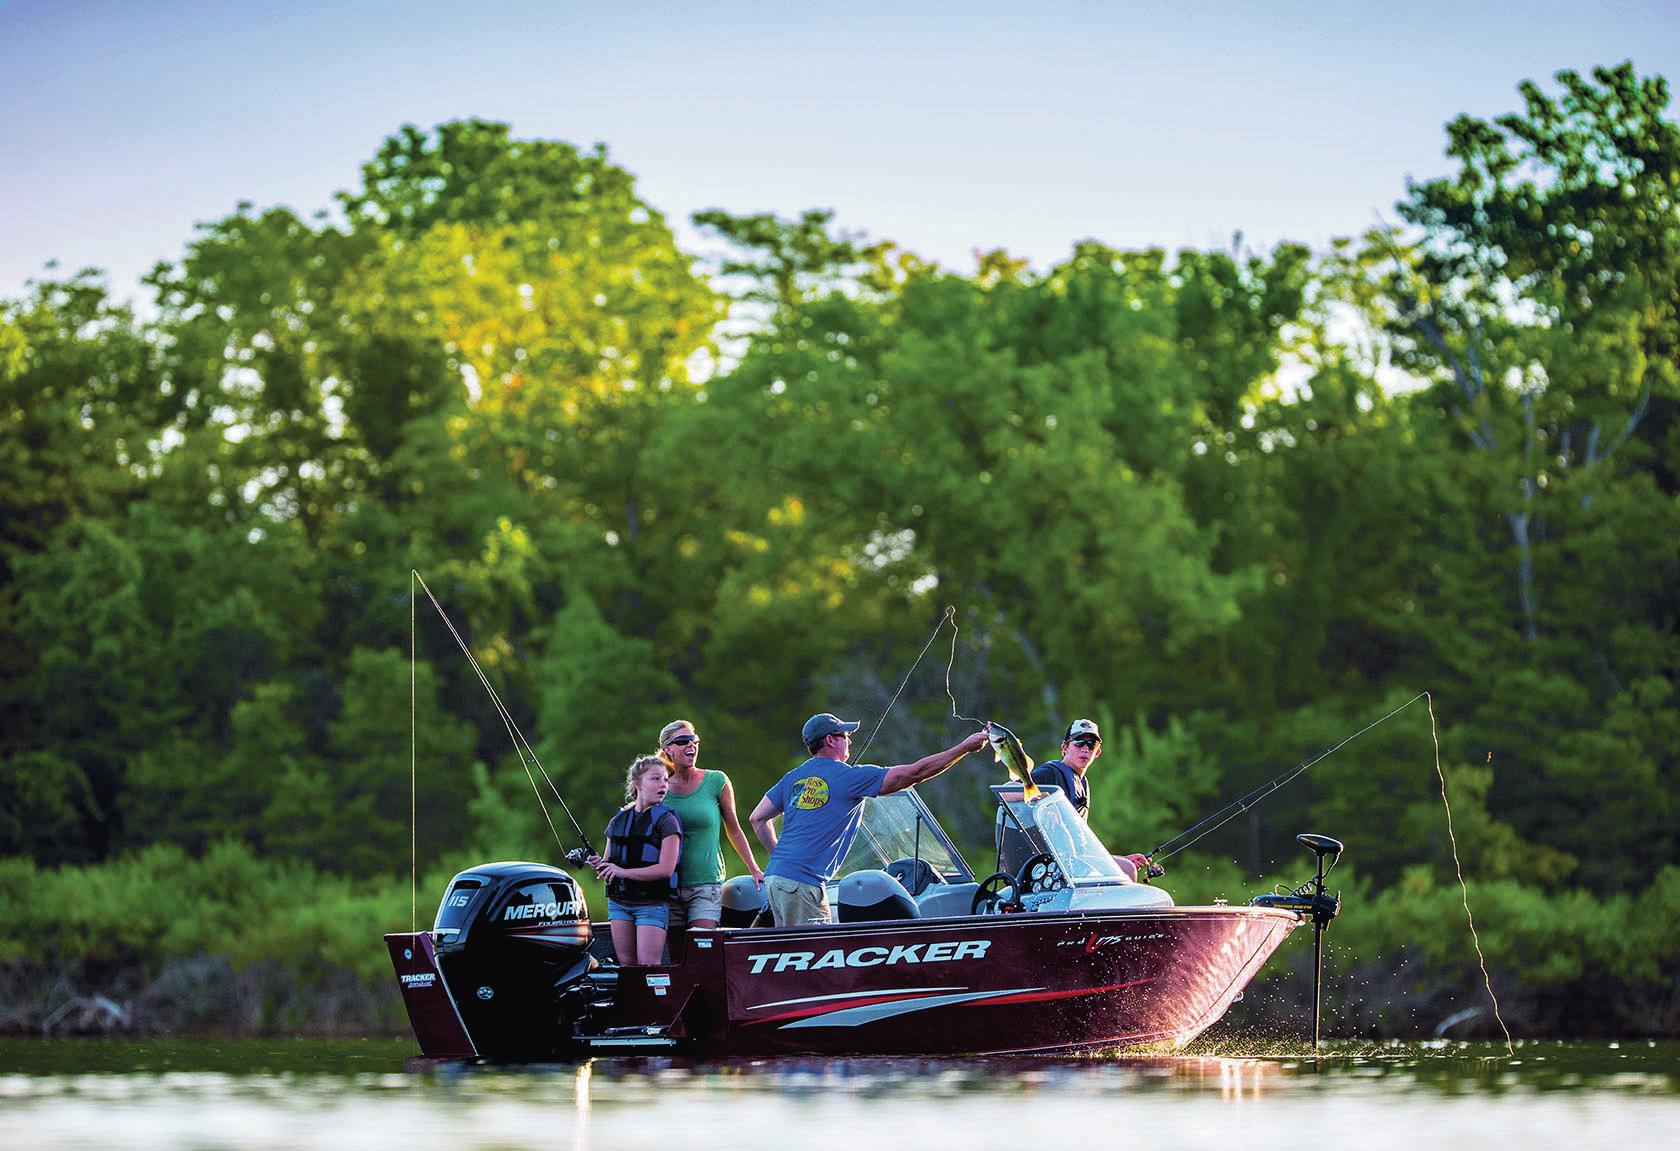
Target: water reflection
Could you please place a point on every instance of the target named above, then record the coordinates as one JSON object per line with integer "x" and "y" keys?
{"x": 255, "y": 1097}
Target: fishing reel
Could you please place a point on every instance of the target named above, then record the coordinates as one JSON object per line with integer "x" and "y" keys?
{"x": 578, "y": 856}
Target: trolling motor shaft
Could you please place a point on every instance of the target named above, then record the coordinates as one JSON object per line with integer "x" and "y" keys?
{"x": 1310, "y": 899}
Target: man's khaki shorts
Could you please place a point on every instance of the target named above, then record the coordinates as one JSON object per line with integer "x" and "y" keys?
{"x": 794, "y": 904}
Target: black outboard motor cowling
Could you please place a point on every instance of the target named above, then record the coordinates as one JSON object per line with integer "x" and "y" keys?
{"x": 511, "y": 939}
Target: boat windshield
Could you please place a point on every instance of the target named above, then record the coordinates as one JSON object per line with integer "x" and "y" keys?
{"x": 899, "y": 826}
{"x": 1051, "y": 824}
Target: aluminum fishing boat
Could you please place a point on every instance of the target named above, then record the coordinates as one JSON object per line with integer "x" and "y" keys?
{"x": 1058, "y": 949}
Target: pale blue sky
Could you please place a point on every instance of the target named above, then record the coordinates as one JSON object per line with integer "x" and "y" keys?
{"x": 947, "y": 127}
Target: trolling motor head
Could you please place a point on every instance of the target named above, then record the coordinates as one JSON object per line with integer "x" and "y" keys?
{"x": 1322, "y": 846}
{"x": 1309, "y": 898}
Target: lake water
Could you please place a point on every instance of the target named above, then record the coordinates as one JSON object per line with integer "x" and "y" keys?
{"x": 372, "y": 1095}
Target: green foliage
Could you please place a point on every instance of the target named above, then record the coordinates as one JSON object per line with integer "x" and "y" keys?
{"x": 793, "y": 260}
{"x": 1148, "y": 786}
{"x": 1525, "y": 936}
{"x": 160, "y": 902}
{"x": 350, "y": 812}
{"x": 44, "y": 801}
{"x": 602, "y": 692}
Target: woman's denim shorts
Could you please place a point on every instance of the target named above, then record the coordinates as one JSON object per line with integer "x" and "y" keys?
{"x": 643, "y": 913}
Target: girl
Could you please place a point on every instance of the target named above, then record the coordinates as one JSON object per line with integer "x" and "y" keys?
{"x": 644, "y": 841}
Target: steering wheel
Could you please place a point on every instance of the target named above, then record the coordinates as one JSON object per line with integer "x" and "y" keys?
{"x": 1040, "y": 873}
{"x": 990, "y": 898}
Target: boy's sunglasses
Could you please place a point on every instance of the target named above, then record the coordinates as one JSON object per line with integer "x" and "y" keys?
{"x": 1085, "y": 741}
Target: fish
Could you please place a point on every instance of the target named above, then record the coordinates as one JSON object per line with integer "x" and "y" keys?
{"x": 1010, "y": 753}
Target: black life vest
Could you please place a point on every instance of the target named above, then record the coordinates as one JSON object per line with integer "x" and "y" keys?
{"x": 633, "y": 840}
{"x": 1073, "y": 785}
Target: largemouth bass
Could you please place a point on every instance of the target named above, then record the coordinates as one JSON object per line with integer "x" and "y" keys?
{"x": 1010, "y": 753}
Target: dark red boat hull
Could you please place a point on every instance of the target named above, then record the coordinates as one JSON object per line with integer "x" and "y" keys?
{"x": 961, "y": 985}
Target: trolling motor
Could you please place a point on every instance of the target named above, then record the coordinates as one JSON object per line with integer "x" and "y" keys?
{"x": 1310, "y": 899}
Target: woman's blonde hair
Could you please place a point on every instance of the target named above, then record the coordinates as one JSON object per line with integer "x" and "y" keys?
{"x": 666, "y": 733}
{"x": 639, "y": 767}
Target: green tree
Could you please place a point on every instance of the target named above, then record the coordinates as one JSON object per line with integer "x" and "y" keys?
{"x": 349, "y": 810}
{"x": 83, "y": 407}
{"x": 1543, "y": 297}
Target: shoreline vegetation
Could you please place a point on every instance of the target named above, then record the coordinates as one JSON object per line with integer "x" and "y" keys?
{"x": 145, "y": 947}
{"x": 1233, "y": 505}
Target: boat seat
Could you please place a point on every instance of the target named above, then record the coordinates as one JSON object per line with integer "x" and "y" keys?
{"x": 947, "y": 899}
{"x": 914, "y": 874}
{"x": 743, "y": 900}
{"x": 866, "y": 896}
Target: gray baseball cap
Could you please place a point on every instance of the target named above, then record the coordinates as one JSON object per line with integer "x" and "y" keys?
{"x": 824, "y": 724}
{"x": 1082, "y": 727}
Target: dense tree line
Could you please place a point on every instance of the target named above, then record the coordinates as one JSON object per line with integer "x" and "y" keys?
{"x": 1163, "y": 490}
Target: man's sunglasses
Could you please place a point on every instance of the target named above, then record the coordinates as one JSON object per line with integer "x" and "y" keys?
{"x": 682, "y": 740}
{"x": 1085, "y": 741}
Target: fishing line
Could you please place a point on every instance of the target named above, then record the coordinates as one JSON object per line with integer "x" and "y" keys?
{"x": 1225, "y": 815}
{"x": 1464, "y": 888}
{"x": 527, "y": 755}
{"x": 1254, "y": 797}
{"x": 949, "y": 614}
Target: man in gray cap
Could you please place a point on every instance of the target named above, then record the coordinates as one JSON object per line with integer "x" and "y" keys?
{"x": 1081, "y": 744}
{"x": 821, "y": 805}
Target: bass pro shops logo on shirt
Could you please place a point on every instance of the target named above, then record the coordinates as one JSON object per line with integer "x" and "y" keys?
{"x": 813, "y": 793}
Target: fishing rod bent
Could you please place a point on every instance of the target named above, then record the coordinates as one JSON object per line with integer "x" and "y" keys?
{"x": 1226, "y": 814}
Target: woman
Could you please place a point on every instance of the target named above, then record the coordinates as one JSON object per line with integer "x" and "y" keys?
{"x": 706, "y": 803}
{"x": 644, "y": 842}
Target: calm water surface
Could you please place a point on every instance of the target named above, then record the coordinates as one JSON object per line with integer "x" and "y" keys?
{"x": 366, "y": 1095}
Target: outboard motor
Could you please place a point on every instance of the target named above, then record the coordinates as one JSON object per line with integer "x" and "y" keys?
{"x": 871, "y": 895}
{"x": 512, "y": 939}
{"x": 742, "y": 901}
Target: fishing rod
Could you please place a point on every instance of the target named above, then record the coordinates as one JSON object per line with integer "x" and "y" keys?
{"x": 527, "y": 755}
{"x": 1223, "y": 816}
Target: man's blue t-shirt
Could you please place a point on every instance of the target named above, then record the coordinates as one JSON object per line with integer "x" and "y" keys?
{"x": 821, "y": 802}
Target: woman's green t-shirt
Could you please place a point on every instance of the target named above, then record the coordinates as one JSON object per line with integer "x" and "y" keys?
{"x": 702, "y": 820}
